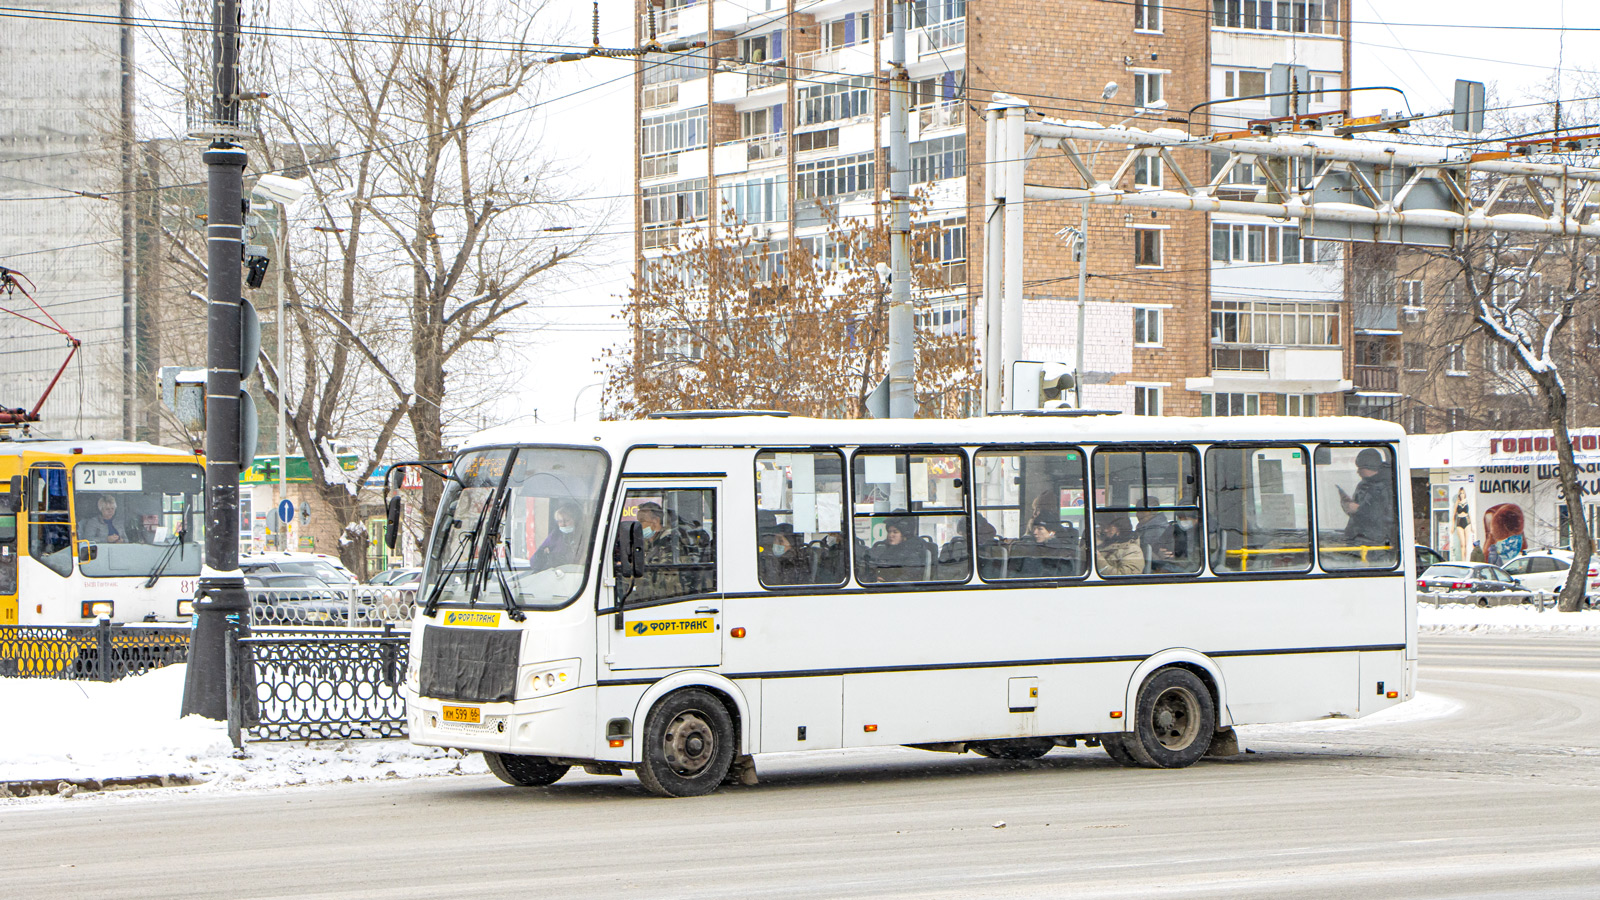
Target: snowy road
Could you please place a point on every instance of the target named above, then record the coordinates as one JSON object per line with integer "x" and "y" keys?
{"x": 1487, "y": 787}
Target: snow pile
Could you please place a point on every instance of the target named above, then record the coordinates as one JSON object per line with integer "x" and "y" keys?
{"x": 65, "y": 730}
{"x": 1460, "y": 618}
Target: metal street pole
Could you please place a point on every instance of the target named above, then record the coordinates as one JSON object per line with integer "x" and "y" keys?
{"x": 283, "y": 373}
{"x": 1083, "y": 304}
{"x": 221, "y": 593}
{"x": 902, "y": 324}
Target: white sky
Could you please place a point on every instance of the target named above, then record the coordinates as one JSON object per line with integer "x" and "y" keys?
{"x": 592, "y": 132}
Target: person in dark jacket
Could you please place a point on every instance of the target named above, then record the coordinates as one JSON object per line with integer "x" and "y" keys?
{"x": 1048, "y": 554}
{"x": 780, "y": 562}
{"x": 901, "y": 555}
{"x": 1371, "y": 507}
{"x": 565, "y": 545}
{"x": 1179, "y": 552}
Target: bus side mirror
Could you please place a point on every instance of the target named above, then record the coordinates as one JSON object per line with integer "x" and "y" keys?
{"x": 627, "y": 557}
{"x": 87, "y": 552}
{"x": 391, "y": 533}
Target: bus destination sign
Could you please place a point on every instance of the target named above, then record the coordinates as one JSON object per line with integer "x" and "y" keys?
{"x": 108, "y": 478}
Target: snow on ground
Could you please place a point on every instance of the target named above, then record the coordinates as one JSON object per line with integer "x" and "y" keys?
{"x": 74, "y": 730}
{"x": 1459, "y": 618}
{"x": 78, "y": 730}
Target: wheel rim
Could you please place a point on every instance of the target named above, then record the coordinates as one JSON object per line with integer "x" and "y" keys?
{"x": 1176, "y": 718}
{"x": 689, "y": 744}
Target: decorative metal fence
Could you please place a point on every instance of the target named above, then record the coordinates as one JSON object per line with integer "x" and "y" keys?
{"x": 327, "y": 606}
{"x": 316, "y": 684}
{"x": 99, "y": 652}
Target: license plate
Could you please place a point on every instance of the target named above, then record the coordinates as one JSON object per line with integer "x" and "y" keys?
{"x": 468, "y": 714}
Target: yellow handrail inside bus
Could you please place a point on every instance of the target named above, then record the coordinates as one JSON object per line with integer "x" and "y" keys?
{"x": 1245, "y": 553}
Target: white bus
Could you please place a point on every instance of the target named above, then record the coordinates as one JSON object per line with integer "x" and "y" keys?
{"x": 679, "y": 596}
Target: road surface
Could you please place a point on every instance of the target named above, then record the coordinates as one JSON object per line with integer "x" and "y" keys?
{"x": 1496, "y": 794}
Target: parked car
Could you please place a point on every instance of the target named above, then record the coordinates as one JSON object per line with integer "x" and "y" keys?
{"x": 319, "y": 565}
{"x": 1468, "y": 578}
{"x": 291, "y": 599}
{"x": 397, "y": 575}
{"x": 1427, "y": 556}
{"x": 1546, "y": 570}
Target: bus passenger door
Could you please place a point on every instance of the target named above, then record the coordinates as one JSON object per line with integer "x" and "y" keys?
{"x": 665, "y": 591}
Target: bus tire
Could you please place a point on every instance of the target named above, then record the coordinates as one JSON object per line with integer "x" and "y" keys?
{"x": 1116, "y": 746}
{"x": 1174, "y": 720}
{"x": 688, "y": 745}
{"x": 1015, "y": 748}
{"x": 524, "y": 771}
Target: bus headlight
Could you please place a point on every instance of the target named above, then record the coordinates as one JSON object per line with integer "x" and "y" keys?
{"x": 94, "y": 609}
{"x": 543, "y": 679}
{"x": 185, "y": 608}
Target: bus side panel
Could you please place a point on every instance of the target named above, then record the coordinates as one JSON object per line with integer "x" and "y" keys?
{"x": 1292, "y": 687}
{"x": 801, "y": 713}
{"x": 1382, "y": 671}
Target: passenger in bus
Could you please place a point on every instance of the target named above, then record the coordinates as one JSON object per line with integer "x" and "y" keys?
{"x": 780, "y": 561}
{"x": 106, "y": 529}
{"x": 1179, "y": 552}
{"x": 902, "y": 555}
{"x": 1046, "y": 553}
{"x": 955, "y": 556}
{"x": 1371, "y": 507}
{"x": 1153, "y": 530}
{"x": 564, "y": 546}
{"x": 662, "y": 577}
{"x": 1117, "y": 546}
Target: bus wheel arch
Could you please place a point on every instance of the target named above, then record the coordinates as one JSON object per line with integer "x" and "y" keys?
{"x": 688, "y": 743}
{"x": 1202, "y": 666}
{"x": 724, "y": 690}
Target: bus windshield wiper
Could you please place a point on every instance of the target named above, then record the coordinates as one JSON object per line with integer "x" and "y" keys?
{"x": 487, "y": 556}
{"x": 161, "y": 566}
{"x": 470, "y": 539}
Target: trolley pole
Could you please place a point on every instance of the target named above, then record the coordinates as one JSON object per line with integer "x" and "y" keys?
{"x": 221, "y": 593}
{"x": 902, "y": 323}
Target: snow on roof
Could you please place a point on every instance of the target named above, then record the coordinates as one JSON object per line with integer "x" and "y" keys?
{"x": 93, "y": 448}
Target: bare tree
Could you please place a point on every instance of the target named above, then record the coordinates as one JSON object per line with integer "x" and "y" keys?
{"x": 732, "y": 323}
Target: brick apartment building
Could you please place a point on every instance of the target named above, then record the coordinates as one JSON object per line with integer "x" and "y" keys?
{"x": 784, "y": 113}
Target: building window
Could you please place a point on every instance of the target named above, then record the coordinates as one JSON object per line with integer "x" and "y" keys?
{"x": 1293, "y": 16}
{"x": 674, "y": 132}
{"x": 946, "y": 247}
{"x": 1238, "y": 359}
{"x": 762, "y": 48}
{"x": 1419, "y": 420}
{"x": 1146, "y": 400}
{"x": 939, "y": 158}
{"x": 1415, "y": 357}
{"x": 1244, "y": 82}
{"x": 1230, "y": 404}
{"x": 1456, "y": 359}
{"x": 761, "y": 121}
{"x": 846, "y": 32}
{"x": 819, "y": 103}
{"x": 1146, "y": 326}
{"x": 1147, "y": 171}
{"x": 1410, "y": 293}
{"x": 1496, "y": 356}
{"x": 1297, "y": 404}
{"x": 826, "y": 139}
{"x": 1282, "y": 323}
{"x": 1146, "y": 15}
{"x": 1147, "y": 247}
{"x": 1455, "y": 419}
{"x": 757, "y": 199}
{"x": 1147, "y": 89}
{"x": 836, "y": 178}
{"x": 1241, "y": 243}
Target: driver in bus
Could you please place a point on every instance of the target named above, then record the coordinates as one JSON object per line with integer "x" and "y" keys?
{"x": 565, "y": 544}
{"x": 105, "y": 529}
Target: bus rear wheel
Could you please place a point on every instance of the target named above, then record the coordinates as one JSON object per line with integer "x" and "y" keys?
{"x": 1016, "y": 748}
{"x": 524, "y": 771}
{"x": 1173, "y": 722}
{"x": 688, "y": 745}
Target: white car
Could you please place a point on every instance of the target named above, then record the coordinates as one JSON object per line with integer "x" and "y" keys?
{"x": 321, "y": 565}
{"x": 1546, "y": 570}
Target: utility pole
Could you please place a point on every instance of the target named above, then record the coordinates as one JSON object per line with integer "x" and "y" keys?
{"x": 902, "y": 324}
{"x": 221, "y": 593}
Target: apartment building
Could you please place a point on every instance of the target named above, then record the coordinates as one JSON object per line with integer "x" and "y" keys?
{"x": 783, "y": 119}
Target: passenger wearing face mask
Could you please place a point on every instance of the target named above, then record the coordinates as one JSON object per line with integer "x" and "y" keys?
{"x": 662, "y": 577}
{"x": 780, "y": 562}
{"x": 565, "y": 545}
{"x": 1179, "y": 551}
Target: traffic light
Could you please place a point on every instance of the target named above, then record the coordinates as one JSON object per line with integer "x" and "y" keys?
{"x": 1042, "y": 385}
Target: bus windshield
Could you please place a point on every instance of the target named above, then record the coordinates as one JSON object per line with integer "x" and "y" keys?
{"x": 515, "y": 521}
{"x": 143, "y": 519}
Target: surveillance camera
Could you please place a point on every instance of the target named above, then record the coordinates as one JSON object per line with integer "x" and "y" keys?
{"x": 279, "y": 189}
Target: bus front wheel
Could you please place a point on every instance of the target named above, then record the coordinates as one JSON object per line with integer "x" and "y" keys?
{"x": 1174, "y": 720}
{"x": 688, "y": 745}
{"x": 1116, "y": 746}
{"x": 523, "y": 771}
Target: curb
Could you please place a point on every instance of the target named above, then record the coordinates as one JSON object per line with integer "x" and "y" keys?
{"x": 11, "y": 790}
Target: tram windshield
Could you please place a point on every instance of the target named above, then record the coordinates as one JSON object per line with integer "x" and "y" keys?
{"x": 140, "y": 519}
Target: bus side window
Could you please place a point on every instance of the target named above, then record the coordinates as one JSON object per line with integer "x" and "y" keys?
{"x": 1358, "y": 516}
{"x": 49, "y": 522}
{"x": 1031, "y": 515}
{"x": 907, "y": 506}
{"x": 680, "y": 542}
{"x": 1258, "y": 509}
{"x": 1142, "y": 502}
{"x": 799, "y": 518}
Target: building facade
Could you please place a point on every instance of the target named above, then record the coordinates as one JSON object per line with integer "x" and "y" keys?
{"x": 784, "y": 114}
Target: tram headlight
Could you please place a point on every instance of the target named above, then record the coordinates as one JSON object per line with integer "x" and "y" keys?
{"x": 185, "y": 608}
{"x": 94, "y": 609}
{"x": 543, "y": 679}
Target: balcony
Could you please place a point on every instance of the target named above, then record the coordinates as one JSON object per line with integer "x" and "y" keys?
{"x": 856, "y": 59}
{"x": 1381, "y": 379}
{"x": 1378, "y": 318}
{"x": 655, "y": 95}
{"x": 937, "y": 38}
{"x": 665, "y": 235}
{"x": 667, "y": 20}
{"x": 765, "y": 75}
{"x": 657, "y": 166}
{"x": 764, "y": 147}
{"x": 1281, "y": 370}
{"x": 943, "y": 115}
